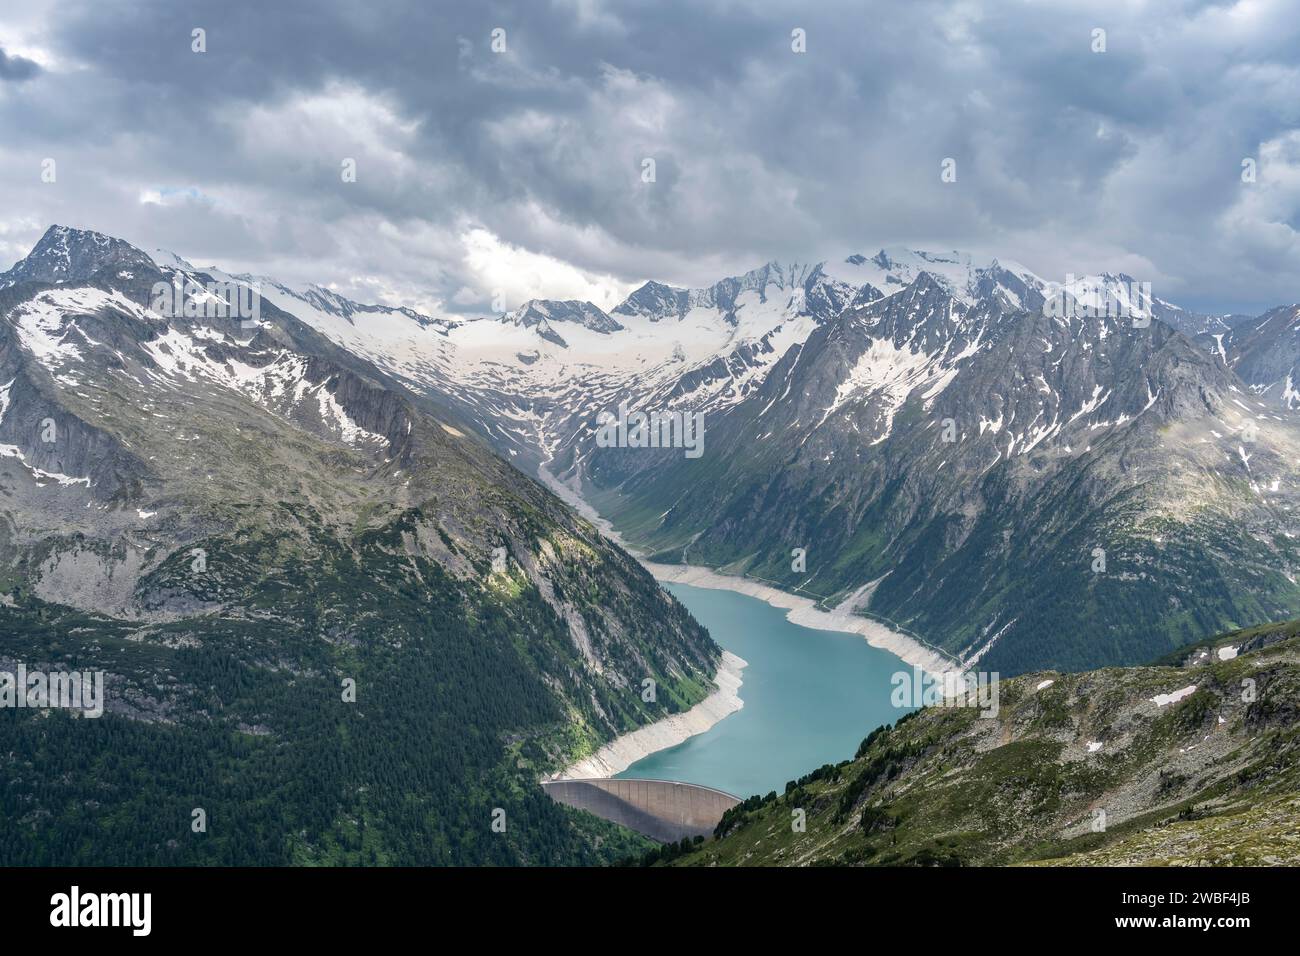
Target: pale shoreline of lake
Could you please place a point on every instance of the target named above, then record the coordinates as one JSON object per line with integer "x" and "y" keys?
{"x": 726, "y": 699}
{"x": 623, "y": 751}
{"x": 804, "y": 611}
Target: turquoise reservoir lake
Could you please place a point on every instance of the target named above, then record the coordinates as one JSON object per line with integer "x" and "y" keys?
{"x": 810, "y": 697}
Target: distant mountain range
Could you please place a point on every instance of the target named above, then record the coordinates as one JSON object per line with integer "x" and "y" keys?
{"x": 1027, "y": 473}
{"x": 826, "y": 389}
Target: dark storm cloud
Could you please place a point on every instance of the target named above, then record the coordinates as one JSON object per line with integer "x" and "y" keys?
{"x": 16, "y": 68}
{"x": 1067, "y": 159}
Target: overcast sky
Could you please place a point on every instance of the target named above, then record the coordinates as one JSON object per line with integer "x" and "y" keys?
{"x": 522, "y": 171}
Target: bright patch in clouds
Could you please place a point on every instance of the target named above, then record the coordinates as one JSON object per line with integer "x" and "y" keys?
{"x": 518, "y": 275}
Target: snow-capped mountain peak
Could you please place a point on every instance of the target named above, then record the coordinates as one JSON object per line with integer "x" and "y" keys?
{"x": 166, "y": 259}
{"x": 655, "y": 301}
{"x": 65, "y": 254}
{"x": 960, "y": 274}
{"x": 545, "y": 311}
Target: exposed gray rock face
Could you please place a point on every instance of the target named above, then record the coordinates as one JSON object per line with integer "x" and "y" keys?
{"x": 70, "y": 255}
{"x": 655, "y": 301}
{"x": 543, "y": 312}
{"x": 1265, "y": 353}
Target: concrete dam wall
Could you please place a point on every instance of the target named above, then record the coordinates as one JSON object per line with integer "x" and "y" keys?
{"x": 663, "y": 810}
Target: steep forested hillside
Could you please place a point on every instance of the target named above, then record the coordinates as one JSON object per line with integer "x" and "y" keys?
{"x": 328, "y": 618}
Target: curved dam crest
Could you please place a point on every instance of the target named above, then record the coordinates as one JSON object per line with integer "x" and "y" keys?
{"x": 664, "y": 810}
